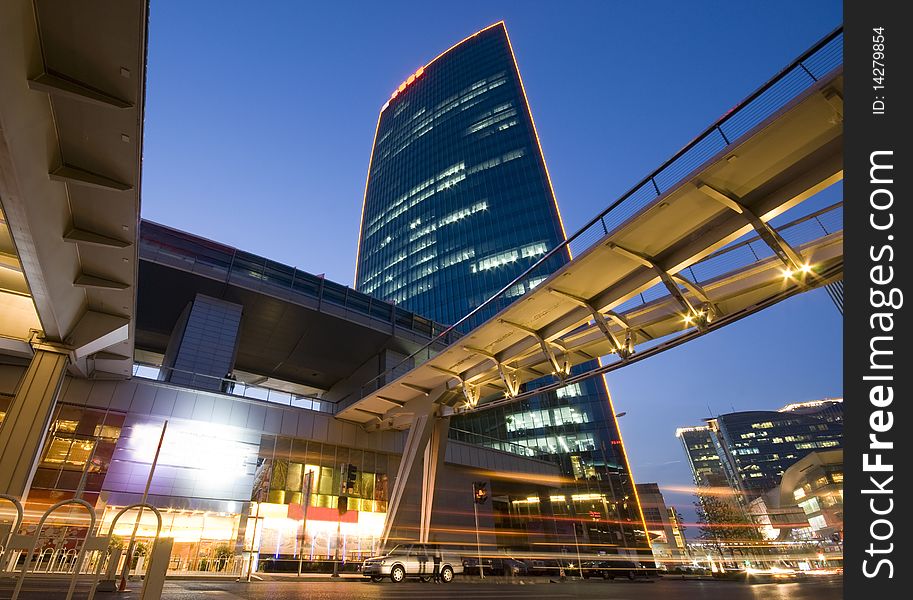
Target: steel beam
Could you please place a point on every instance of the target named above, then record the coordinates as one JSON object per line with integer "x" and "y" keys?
{"x": 599, "y": 319}
{"x": 692, "y": 315}
{"x": 560, "y": 369}
{"x": 77, "y": 176}
{"x": 767, "y": 233}
{"x": 67, "y": 87}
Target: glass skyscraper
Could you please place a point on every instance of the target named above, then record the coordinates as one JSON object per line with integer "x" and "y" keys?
{"x": 756, "y": 447}
{"x": 458, "y": 203}
{"x": 749, "y": 451}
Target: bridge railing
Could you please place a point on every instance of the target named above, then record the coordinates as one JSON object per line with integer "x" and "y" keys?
{"x": 805, "y": 71}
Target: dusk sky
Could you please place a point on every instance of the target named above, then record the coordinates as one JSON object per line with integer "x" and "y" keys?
{"x": 260, "y": 119}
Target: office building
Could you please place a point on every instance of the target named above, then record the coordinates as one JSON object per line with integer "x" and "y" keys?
{"x": 815, "y": 484}
{"x": 752, "y": 449}
{"x": 458, "y": 204}
{"x": 706, "y": 466}
{"x": 663, "y": 526}
{"x": 458, "y": 201}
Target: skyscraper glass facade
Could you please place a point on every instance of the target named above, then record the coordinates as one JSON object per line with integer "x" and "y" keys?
{"x": 756, "y": 447}
{"x": 458, "y": 201}
{"x": 705, "y": 463}
{"x": 458, "y": 204}
{"x": 749, "y": 451}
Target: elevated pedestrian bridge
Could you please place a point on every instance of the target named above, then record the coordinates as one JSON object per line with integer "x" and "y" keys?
{"x": 689, "y": 249}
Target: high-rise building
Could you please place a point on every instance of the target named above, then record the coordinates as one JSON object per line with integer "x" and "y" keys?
{"x": 458, "y": 201}
{"x": 754, "y": 448}
{"x": 458, "y": 204}
{"x": 705, "y": 463}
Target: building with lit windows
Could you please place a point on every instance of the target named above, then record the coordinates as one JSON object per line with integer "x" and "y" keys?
{"x": 252, "y": 458}
{"x": 458, "y": 201}
{"x": 755, "y": 448}
{"x": 815, "y": 484}
{"x": 458, "y": 204}
{"x": 705, "y": 463}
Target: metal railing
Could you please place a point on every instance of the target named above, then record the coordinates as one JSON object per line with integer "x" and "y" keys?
{"x": 477, "y": 439}
{"x": 231, "y": 387}
{"x": 816, "y": 63}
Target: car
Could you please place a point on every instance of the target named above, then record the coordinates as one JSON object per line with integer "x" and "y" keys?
{"x": 610, "y": 569}
{"x": 495, "y": 566}
{"x": 553, "y": 567}
{"x": 412, "y": 561}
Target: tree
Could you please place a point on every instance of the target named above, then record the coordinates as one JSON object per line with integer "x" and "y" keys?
{"x": 722, "y": 521}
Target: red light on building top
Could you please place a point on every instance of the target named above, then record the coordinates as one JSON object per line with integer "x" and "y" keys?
{"x": 402, "y": 87}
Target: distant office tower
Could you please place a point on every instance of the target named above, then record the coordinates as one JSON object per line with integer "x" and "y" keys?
{"x": 458, "y": 203}
{"x": 754, "y": 448}
{"x": 705, "y": 463}
{"x": 666, "y": 538}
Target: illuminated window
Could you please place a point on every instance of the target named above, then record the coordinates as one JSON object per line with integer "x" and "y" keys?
{"x": 64, "y": 425}
{"x": 570, "y": 391}
{"x": 810, "y": 506}
{"x": 68, "y": 451}
{"x": 107, "y": 431}
{"x": 817, "y": 522}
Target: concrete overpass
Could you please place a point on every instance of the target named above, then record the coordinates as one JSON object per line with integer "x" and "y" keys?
{"x": 72, "y": 91}
{"x": 298, "y": 332}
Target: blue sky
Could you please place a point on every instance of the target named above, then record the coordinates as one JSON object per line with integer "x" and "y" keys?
{"x": 260, "y": 118}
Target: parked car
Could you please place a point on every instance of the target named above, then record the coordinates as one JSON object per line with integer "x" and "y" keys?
{"x": 412, "y": 560}
{"x": 610, "y": 569}
{"x": 495, "y": 566}
{"x": 553, "y": 567}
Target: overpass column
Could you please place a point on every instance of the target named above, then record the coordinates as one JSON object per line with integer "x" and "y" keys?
{"x": 25, "y": 426}
{"x": 423, "y": 455}
{"x": 434, "y": 458}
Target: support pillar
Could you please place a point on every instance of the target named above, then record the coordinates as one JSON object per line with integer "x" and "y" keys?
{"x": 434, "y": 458}
{"x": 25, "y": 427}
{"x": 423, "y": 456}
{"x": 416, "y": 442}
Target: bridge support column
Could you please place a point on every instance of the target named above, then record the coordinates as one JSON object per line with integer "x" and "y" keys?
{"x": 423, "y": 455}
{"x": 26, "y": 423}
{"x": 434, "y": 458}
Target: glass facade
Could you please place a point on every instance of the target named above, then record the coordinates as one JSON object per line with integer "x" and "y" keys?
{"x": 458, "y": 204}
{"x": 705, "y": 463}
{"x": 458, "y": 201}
{"x": 756, "y": 447}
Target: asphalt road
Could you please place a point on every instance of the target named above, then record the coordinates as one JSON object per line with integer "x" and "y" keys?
{"x": 829, "y": 588}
